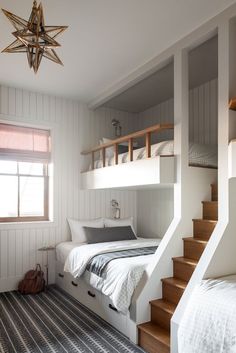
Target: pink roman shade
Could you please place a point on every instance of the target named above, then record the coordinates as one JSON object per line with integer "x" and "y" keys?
{"x": 24, "y": 144}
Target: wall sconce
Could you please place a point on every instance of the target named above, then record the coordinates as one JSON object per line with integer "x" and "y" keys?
{"x": 117, "y": 125}
{"x": 115, "y": 209}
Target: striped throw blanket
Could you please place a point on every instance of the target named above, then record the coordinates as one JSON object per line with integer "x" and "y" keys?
{"x": 99, "y": 262}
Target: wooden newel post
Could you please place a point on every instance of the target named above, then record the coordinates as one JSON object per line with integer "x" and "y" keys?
{"x": 148, "y": 144}
{"x": 116, "y": 153}
{"x": 92, "y": 160}
{"x": 131, "y": 149}
{"x": 103, "y": 156}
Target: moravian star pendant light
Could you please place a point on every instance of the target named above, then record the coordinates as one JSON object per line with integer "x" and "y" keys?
{"x": 34, "y": 38}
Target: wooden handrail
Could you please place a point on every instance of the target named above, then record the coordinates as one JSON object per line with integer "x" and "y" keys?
{"x": 154, "y": 128}
{"x": 128, "y": 138}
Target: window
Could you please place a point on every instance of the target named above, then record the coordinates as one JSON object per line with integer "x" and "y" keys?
{"x": 24, "y": 184}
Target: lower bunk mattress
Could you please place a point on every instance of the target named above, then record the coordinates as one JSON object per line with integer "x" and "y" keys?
{"x": 209, "y": 322}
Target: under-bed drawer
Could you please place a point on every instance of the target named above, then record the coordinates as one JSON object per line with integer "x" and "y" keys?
{"x": 60, "y": 276}
{"x": 90, "y": 297}
{"x": 86, "y": 294}
{"x": 113, "y": 316}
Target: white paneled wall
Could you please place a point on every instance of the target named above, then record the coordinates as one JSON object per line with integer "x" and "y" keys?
{"x": 203, "y": 108}
{"x": 73, "y": 127}
{"x": 155, "y": 208}
{"x": 97, "y": 124}
{"x": 159, "y": 114}
{"x": 155, "y": 211}
{"x": 203, "y": 102}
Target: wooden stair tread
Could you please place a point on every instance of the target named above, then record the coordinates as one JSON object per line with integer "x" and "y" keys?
{"x": 185, "y": 260}
{"x": 212, "y": 202}
{"x": 195, "y": 240}
{"x": 156, "y": 332}
{"x": 164, "y": 304}
{"x": 204, "y": 220}
{"x": 175, "y": 282}
{"x": 154, "y": 336}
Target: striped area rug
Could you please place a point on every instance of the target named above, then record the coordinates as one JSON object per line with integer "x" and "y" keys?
{"x": 53, "y": 321}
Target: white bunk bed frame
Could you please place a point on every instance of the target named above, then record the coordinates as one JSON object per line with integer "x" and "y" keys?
{"x": 188, "y": 181}
{"x": 149, "y": 171}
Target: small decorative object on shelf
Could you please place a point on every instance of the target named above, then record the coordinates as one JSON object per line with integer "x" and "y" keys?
{"x": 47, "y": 249}
{"x": 232, "y": 104}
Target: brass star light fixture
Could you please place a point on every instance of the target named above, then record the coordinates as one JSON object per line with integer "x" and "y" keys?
{"x": 34, "y": 38}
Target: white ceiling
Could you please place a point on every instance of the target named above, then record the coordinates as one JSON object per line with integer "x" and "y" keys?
{"x": 106, "y": 40}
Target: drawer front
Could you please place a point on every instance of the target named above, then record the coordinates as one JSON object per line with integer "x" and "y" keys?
{"x": 89, "y": 296}
{"x": 111, "y": 315}
{"x": 60, "y": 276}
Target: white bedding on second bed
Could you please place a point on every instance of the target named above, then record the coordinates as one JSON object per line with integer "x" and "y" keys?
{"x": 209, "y": 322}
{"x": 199, "y": 154}
{"x": 121, "y": 275}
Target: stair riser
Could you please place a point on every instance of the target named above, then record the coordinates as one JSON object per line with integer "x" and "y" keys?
{"x": 193, "y": 250}
{"x": 171, "y": 293}
{"x": 150, "y": 344}
{"x": 183, "y": 271}
{"x": 203, "y": 230}
{"x": 214, "y": 192}
{"x": 210, "y": 211}
{"x": 160, "y": 317}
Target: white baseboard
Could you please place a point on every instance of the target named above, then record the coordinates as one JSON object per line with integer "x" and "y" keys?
{"x": 11, "y": 283}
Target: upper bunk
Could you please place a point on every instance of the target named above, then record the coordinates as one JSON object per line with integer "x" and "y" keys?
{"x": 149, "y": 107}
{"x": 152, "y": 165}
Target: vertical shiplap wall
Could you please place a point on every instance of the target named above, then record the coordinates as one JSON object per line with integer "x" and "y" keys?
{"x": 203, "y": 110}
{"x": 97, "y": 124}
{"x": 155, "y": 208}
{"x": 159, "y": 114}
{"x": 73, "y": 127}
{"x": 203, "y": 102}
{"x": 155, "y": 211}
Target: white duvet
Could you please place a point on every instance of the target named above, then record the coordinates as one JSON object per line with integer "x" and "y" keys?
{"x": 199, "y": 154}
{"x": 209, "y": 322}
{"x": 121, "y": 275}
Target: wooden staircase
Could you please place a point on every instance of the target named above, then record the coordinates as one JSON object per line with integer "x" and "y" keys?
{"x": 154, "y": 336}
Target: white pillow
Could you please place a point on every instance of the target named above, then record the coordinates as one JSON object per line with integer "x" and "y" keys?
{"x": 109, "y": 150}
{"x": 77, "y": 231}
{"x": 121, "y": 222}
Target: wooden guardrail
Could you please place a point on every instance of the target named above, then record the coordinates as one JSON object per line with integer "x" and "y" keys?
{"x": 128, "y": 138}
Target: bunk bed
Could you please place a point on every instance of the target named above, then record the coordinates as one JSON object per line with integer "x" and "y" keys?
{"x": 151, "y": 165}
{"x": 131, "y": 168}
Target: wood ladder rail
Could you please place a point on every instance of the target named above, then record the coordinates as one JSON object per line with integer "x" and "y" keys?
{"x": 128, "y": 138}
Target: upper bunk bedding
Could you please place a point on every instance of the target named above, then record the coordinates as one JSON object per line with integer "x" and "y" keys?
{"x": 114, "y": 268}
{"x": 199, "y": 155}
{"x": 209, "y": 322}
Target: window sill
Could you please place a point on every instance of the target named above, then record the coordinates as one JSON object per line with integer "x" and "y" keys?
{"x": 27, "y": 225}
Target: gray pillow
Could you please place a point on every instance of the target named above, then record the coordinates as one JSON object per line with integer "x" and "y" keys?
{"x": 101, "y": 235}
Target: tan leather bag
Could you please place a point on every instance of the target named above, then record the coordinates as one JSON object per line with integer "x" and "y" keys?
{"x": 33, "y": 281}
